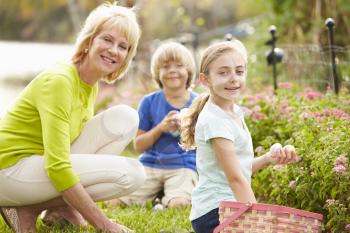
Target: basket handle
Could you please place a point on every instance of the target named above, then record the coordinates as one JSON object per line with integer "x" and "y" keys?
{"x": 233, "y": 217}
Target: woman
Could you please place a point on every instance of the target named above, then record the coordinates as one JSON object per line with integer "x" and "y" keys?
{"x": 49, "y": 141}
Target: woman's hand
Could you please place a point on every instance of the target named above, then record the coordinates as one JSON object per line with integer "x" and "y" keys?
{"x": 117, "y": 228}
{"x": 124, "y": 229}
{"x": 282, "y": 155}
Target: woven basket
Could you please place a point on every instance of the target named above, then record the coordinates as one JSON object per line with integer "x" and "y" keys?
{"x": 238, "y": 217}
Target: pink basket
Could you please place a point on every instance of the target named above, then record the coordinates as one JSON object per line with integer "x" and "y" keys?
{"x": 238, "y": 217}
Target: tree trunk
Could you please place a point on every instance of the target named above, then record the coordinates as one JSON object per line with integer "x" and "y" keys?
{"x": 74, "y": 13}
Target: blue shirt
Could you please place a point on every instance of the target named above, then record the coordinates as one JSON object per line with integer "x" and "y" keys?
{"x": 166, "y": 152}
{"x": 213, "y": 187}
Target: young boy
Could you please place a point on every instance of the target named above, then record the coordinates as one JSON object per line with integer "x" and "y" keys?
{"x": 169, "y": 168}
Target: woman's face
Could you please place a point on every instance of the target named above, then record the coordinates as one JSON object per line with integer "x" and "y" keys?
{"x": 108, "y": 51}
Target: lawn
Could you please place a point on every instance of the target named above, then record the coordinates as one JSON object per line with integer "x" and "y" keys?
{"x": 140, "y": 219}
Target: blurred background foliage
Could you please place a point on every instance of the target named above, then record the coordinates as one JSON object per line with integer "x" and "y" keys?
{"x": 59, "y": 20}
{"x": 300, "y": 30}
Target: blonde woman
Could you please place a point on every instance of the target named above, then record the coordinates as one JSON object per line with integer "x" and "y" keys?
{"x": 54, "y": 155}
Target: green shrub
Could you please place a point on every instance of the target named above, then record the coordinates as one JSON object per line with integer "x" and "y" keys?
{"x": 319, "y": 127}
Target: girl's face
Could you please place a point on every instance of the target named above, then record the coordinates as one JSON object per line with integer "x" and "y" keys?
{"x": 173, "y": 75}
{"x": 108, "y": 51}
{"x": 227, "y": 76}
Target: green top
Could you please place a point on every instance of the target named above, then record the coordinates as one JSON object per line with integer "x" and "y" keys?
{"x": 46, "y": 118}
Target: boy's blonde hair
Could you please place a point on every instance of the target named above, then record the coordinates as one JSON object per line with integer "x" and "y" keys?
{"x": 120, "y": 18}
{"x": 172, "y": 51}
{"x": 210, "y": 54}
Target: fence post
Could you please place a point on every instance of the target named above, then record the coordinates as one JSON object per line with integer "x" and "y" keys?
{"x": 330, "y": 24}
{"x": 272, "y": 30}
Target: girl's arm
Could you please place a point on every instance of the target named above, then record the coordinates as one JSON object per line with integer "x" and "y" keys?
{"x": 146, "y": 139}
{"x": 261, "y": 162}
{"x": 224, "y": 152}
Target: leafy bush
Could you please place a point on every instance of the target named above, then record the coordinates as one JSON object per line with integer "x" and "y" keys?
{"x": 319, "y": 127}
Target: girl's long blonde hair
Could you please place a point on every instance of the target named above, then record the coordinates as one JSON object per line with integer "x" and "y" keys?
{"x": 210, "y": 54}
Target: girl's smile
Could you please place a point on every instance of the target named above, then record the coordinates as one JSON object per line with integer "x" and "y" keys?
{"x": 227, "y": 76}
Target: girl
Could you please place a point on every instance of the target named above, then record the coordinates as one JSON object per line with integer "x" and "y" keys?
{"x": 215, "y": 124}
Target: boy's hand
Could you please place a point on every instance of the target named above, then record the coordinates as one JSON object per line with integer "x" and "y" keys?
{"x": 171, "y": 121}
{"x": 279, "y": 155}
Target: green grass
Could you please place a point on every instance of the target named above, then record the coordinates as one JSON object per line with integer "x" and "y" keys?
{"x": 140, "y": 219}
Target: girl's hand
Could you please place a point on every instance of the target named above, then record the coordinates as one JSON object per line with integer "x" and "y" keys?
{"x": 279, "y": 155}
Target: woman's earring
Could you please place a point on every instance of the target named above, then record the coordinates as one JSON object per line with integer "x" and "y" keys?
{"x": 86, "y": 50}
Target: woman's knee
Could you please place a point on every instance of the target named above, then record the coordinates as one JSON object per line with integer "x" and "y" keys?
{"x": 136, "y": 174}
{"x": 121, "y": 120}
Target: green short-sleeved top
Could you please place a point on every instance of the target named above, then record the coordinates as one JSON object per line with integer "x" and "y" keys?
{"x": 46, "y": 118}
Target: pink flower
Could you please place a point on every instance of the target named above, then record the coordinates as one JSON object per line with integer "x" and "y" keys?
{"x": 310, "y": 94}
{"x": 246, "y": 111}
{"x": 327, "y": 112}
{"x": 258, "y": 116}
{"x": 330, "y": 202}
{"x": 259, "y": 96}
{"x": 347, "y": 227}
{"x": 339, "y": 169}
{"x": 256, "y": 108}
{"x": 285, "y": 109}
{"x": 341, "y": 160}
{"x": 259, "y": 149}
{"x": 305, "y": 115}
{"x": 285, "y": 85}
{"x": 341, "y": 114}
{"x": 292, "y": 184}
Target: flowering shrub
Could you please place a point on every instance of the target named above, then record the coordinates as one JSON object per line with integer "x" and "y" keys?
{"x": 318, "y": 125}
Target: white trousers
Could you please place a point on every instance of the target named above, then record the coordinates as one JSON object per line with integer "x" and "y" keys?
{"x": 94, "y": 158}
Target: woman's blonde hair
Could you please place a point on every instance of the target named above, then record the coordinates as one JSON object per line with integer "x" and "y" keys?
{"x": 121, "y": 19}
{"x": 210, "y": 54}
{"x": 172, "y": 51}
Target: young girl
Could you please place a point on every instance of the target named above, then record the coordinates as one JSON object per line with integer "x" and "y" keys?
{"x": 214, "y": 124}
{"x": 168, "y": 167}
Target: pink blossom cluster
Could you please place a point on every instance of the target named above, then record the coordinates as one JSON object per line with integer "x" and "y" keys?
{"x": 266, "y": 97}
{"x": 306, "y": 114}
{"x": 285, "y": 85}
{"x": 254, "y": 112}
{"x": 347, "y": 227}
{"x": 285, "y": 109}
{"x": 310, "y": 94}
{"x": 340, "y": 164}
{"x": 331, "y": 202}
{"x": 325, "y": 113}
{"x": 292, "y": 184}
{"x": 259, "y": 150}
